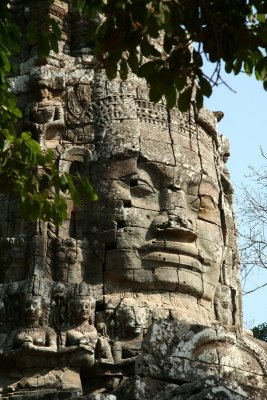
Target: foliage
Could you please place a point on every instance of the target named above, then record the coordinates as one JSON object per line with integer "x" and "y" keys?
{"x": 126, "y": 38}
{"x": 260, "y": 332}
{"x": 24, "y": 168}
{"x": 163, "y": 41}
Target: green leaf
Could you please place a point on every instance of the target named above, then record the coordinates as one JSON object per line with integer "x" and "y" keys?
{"x": 261, "y": 68}
{"x": 237, "y": 65}
{"x": 55, "y": 28}
{"x": 199, "y": 99}
{"x": 35, "y": 146}
{"x": 197, "y": 58}
{"x": 53, "y": 42}
{"x": 43, "y": 46}
{"x": 26, "y": 136}
{"x": 16, "y": 112}
{"x": 111, "y": 67}
{"x": 228, "y": 67}
{"x": 205, "y": 86}
{"x": 248, "y": 65}
{"x": 34, "y": 209}
{"x": 184, "y": 99}
{"x": 72, "y": 189}
{"x": 32, "y": 32}
{"x": 150, "y": 68}
{"x": 86, "y": 190}
{"x": 171, "y": 96}
{"x": 7, "y": 145}
{"x": 180, "y": 82}
{"x": 261, "y": 17}
{"x": 154, "y": 94}
{"x": 63, "y": 180}
{"x": 133, "y": 61}
{"x": 148, "y": 49}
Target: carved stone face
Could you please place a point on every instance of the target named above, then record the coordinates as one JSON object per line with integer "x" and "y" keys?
{"x": 33, "y": 308}
{"x": 81, "y": 310}
{"x": 43, "y": 92}
{"x": 131, "y": 320}
{"x": 166, "y": 219}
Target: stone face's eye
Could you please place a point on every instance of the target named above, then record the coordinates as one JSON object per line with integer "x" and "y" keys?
{"x": 133, "y": 182}
{"x": 141, "y": 188}
{"x": 141, "y": 191}
{"x": 209, "y": 210}
{"x": 195, "y": 203}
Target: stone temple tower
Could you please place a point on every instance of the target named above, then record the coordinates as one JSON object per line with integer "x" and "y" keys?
{"x": 136, "y": 296}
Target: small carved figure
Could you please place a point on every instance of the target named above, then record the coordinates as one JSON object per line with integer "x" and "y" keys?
{"x": 81, "y": 338}
{"x": 46, "y": 118}
{"x": 68, "y": 260}
{"x": 80, "y": 114}
{"x": 33, "y": 348}
{"x": 130, "y": 321}
{"x": 33, "y": 339}
{"x": 103, "y": 354}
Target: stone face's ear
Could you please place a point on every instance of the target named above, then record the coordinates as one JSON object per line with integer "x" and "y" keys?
{"x": 208, "y": 121}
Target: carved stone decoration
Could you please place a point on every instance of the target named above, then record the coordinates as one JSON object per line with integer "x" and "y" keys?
{"x": 45, "y": 117}
{"x": 136, "y": 296}
{"x": 199, "y": 351}
{"x": 31, "y": 349}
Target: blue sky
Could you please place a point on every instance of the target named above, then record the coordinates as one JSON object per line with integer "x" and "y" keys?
{"x": 245, "y": 124}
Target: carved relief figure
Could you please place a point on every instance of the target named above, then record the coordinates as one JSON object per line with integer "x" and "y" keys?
{"x": 32, "y": 350}
{"x": 83, "y": 344}
{"x": 34, "y": 342}
{"x": 130, "y": 319}
{"x": 45, "y": 117}
{"x": 81, "y": 338}
{"x": 80, "y": 113}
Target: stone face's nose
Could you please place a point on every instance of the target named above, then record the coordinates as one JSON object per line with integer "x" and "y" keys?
{"x": 174, "y": 227}
{"x": 160, "y": 222}
{"x": 180, "y": 228}
{"x": 179, "y": 221}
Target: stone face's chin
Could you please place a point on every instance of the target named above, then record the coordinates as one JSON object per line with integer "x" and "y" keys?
{"x": 82, "y": 317}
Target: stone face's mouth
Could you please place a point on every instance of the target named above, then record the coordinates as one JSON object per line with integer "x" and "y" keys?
{"x": 177, "y": 255}
{"x": 84, "y": 315}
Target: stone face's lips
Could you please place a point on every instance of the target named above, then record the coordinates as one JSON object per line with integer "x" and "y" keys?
{"x": 171, "y": 247}
{"x": 172, "y": 254}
